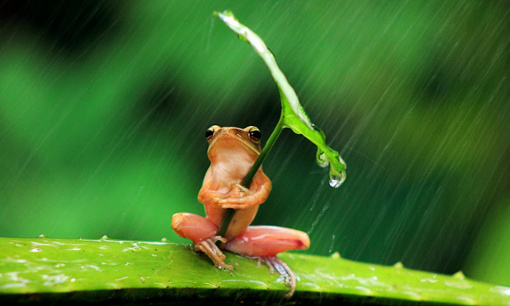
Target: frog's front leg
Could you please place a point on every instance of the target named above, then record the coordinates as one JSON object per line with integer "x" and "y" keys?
{"x": 240, "y": 197}
{"x": 203, "y": 233}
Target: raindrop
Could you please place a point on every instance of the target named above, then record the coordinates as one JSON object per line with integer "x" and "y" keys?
{"x": 322, "y": 159}
{"x": 364, "y": 290}
{"x": 500, "y": 290}
{"x": 431, "y": 280}
{"x": 413, "y": 295}
{"x": 335, "y": 179}
{"x": 332, "y": 243}
{"x": 467, "y": 300}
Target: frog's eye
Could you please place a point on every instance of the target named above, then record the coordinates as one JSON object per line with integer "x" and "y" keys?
{"x": 209, "y": 133}
{"x": 255, "y": 134}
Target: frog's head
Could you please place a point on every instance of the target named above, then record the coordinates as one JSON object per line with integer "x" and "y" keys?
{"x": 232, "y": 143}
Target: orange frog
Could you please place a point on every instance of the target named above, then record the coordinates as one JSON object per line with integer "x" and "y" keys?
{"x": 232, "y": 151}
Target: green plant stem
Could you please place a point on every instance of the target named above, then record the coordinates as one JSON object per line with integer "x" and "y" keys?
{"x": 76, "y": 271}
{"x": 249, "y": 177}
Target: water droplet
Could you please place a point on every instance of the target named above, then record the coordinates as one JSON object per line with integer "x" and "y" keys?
{"x": 505, "y": 291}
{"x": 322, "y": 159}
{"x": 318, "y": 130}
{"x": 467, "y": 300}
{"x": 413, "y": 295}
{"x": 460, "y": 284}
{"x": 335, "y": 180}
{"x": 364, "y": 290}
{"x": 429, "y": 280}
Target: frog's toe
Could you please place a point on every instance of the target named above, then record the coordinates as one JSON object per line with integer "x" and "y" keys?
{"x": 212, "y": 251}
{"x": 242, "y": 189}
{"x": 237, "y": 203}
{"x": 274, "y": 263}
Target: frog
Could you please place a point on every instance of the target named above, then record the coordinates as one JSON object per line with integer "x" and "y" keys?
{"x": 232, "y": 151}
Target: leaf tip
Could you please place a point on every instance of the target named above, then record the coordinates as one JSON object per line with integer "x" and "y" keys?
{"x": 223, "y": 14}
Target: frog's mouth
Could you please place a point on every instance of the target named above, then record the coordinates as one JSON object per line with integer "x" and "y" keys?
{"x": 232, "y": 141}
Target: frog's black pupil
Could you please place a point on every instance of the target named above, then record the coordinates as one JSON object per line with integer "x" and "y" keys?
{"x": 255, "y": 134}
{"x": 208, "y": 133}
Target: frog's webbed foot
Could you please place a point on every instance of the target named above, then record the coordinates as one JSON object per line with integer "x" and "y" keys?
{"x": 210, "y": 249}
{"x": 274, "y": 263}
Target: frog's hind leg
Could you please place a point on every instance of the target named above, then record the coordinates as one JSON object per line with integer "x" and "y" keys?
{"x": 194, "y": 227}
{"x": 264, "y": 241}
{"x": 203, "y": 233}
{"x": 267, "y": 241}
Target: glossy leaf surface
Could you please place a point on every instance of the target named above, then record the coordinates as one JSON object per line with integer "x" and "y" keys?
{"x": 65, "y": 269}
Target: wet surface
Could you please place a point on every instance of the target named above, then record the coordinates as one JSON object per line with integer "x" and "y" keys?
{"x": 64, "y": 265}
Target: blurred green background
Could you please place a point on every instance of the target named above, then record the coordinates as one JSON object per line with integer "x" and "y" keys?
{"x": 104, "y": 106}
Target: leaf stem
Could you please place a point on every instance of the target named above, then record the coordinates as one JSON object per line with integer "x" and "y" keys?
{"x": 249, "y": 177}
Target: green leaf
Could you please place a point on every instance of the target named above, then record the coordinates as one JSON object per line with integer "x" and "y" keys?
{"x": 293, "y": 114}
{"x": 105, "y": 270}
